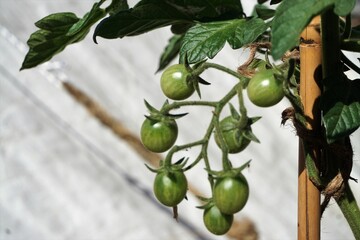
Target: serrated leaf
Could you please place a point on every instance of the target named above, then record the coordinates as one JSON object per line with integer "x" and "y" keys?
{"x": 180, "y": 28}
{"x": 341, "y": 105}
{"x": 88, "y": 20}
{"x": 344, "y": 7}
{"x": 57, "y": 21}
{"x": 205, "y": 40}
{"x": 171, "y": 51}
{"x": 264, "y": 12}
{"x": 148, "y": 15}
{"x": 56, "y": 32}
{"x": 342, "y": 120}
{"x": 117, "y": 6}
{"x": 292, "y": 16}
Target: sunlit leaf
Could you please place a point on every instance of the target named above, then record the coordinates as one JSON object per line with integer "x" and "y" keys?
{"x": 205, "y": 40}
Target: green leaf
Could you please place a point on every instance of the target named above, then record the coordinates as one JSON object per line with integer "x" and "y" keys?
{"x": 181, "y": 28}
{"x": 341, "y": 105}
{"x": 344, "y": 7}
{"x": 264, "y": 12}
{"x": 57, "y": 21}
{"x": 148, "y": 15}
{"x": 117, "y": 6}
{"x": 207, "y": 39}
{"x": 170, "y": 51}
{"x": 292, "y": 16}
{"x": 90, "y": 18}
{"x": 56, "y": 32}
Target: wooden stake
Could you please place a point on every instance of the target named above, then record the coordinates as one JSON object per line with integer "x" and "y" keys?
{"x": 310, "y": 66}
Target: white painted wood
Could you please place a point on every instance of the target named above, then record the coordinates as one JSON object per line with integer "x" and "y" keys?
{"x": 64, "y": 176}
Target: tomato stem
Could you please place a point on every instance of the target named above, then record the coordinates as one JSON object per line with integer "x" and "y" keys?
{"x": 178, "y": 148}
{"x": 207, "y": 65}
{"x": 218, "y": 107}
{"x": 177, "y": 104}
{"x": 350, "y": 209}
{"x": 243, "y": 112}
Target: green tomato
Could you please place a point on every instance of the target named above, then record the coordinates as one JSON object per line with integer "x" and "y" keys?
{"x": 158, "y": 136}
{"x": 174, "y": 82}
{"x": 233, "y": 136}
{"x": 217, "y": 222}
{"x": 231, "y": 194}
{"x": 264, "y": 90}
{"x": 170, "y": 187}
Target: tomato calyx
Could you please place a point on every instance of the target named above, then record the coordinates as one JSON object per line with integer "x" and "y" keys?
{"x": 194, "y": 76}
{"x": 160, "y": 115}
{"x": 166, "y": 166}
{"x": 236, "y": 131}
{"x": 233, "y": 172}
{"x": 243, "y": 123}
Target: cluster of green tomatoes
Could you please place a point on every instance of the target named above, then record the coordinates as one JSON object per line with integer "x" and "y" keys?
{"x": 159, "y": 131}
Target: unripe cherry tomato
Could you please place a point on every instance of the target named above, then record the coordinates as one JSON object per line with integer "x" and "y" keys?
{"x": 174, "y": 82}
{"x": 231, "y": 194}
{"x": 264, "y": 90}
{"x": 217, "y": 222}
{"x": 170, "y": 187}
{"x": 158, "y": 135}
{"x": 234, "y": 139}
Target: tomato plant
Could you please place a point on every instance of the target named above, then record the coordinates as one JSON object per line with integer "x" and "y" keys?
{"x": 200, "y": 31}
{"x": 175, "y": 82}
{"x": 170, "y": 187}
{"x": 264, "y": 89}
{"x": 159, "y": 135}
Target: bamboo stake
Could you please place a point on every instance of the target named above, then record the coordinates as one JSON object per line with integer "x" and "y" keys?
{"x": 308, "y": 194}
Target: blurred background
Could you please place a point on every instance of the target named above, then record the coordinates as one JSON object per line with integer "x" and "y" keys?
{"x": 65, "y": 175}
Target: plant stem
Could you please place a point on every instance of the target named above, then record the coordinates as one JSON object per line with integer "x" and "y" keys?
{"x": 215, "y": 121}
{"x": 243, "y": 112}
{"x": 179, "y": 104}
{"x": 350, "y": 209}
{"x": 177, "y": 148}
{"x": 207, "y": 65}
